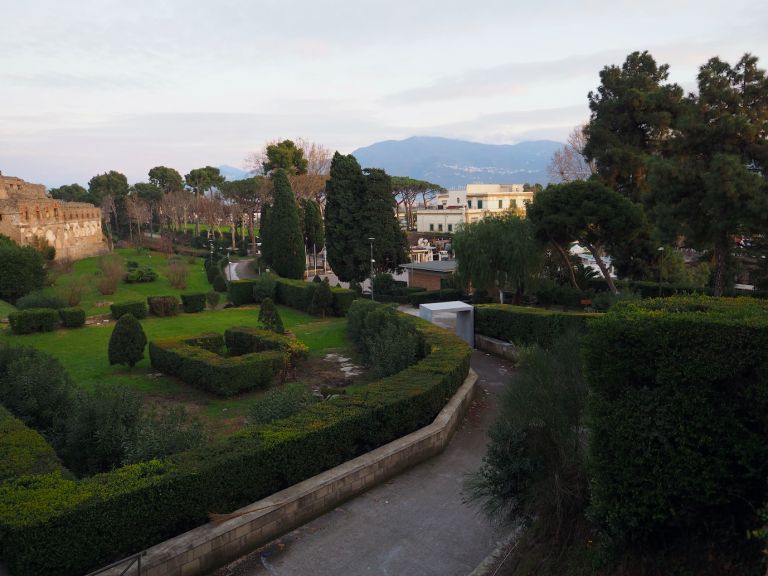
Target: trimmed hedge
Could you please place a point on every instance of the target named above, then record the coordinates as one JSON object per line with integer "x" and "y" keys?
{"x": 163, "y": 305}
{"x": 33, "y": 320}
{"x": 138, "y": 308}
{"x": 241, "y": 291}
{"x": 54, "y": 526}
{"x": 72, "y": 317}
{"x": 678, "y": 412}
{"x": 194, "y": 302}
{"x": 298, "y": 294}
{"x": 527, "y": 326}
{"x": 255, "y": 361}
{"x": 650, "y": 289}
{"x": 23, "y": 451}
{"x": 445, "y": 295}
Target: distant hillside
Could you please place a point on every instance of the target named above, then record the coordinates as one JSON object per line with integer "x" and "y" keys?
{"x": 455, "y": 163}
{"x": 232, "y": 173}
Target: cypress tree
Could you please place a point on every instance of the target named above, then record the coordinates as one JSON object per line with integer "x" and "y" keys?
{"x": 342, "y": 224}
{"x": 322, "y": 299}
{"x": 269, "y": 316}
{"x": 377, "y": 213}
{"x": 264, "y": 234}
{"x": 127, "y": 342}
{"x": 287, "y": 244}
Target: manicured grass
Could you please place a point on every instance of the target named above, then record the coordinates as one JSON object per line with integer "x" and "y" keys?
{"x": 83, "y": 352}
{"x": 6, "y": 308}
{"x": 96, "y": 303}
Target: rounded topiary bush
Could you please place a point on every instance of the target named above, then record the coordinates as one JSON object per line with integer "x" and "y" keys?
{"x": 269, "y": 316}
{"x": 127, "y": 343}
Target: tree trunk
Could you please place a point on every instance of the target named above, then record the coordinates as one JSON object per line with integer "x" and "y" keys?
{"x": 721, "y": 262}
{"x": 600, "y": 264}
{"x": 567, "y": 262}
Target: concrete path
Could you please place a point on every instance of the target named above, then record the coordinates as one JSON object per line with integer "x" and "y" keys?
{"x": 240, "y": 270}
{"x": 416, "y": 524}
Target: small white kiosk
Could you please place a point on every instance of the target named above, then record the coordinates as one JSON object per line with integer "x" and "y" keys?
{"x": 465, "y": 317}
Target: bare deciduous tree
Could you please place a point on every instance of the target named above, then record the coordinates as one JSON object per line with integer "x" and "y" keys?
{"x": 568, "y": 163}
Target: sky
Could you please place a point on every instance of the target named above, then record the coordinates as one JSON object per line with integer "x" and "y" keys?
{"x": 88, "y": 86}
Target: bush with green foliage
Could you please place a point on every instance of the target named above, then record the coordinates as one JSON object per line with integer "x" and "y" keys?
{"x": 241, "y": 292}
{"x": 33, "y": 320}
{"x": 446, "y": 295}
{"x": 219, "y": 283}
{"x": 387, "y": 340}
{"x": 22, "y": 270}
{"x": 298, "y": 294}
{"x": 40, "y": 299}
{"x": 552, "y": 294}
{"x": 322, "y": 300}
{"x": 163, "y": 305}
{"x": 24, "y": 451}
{"x": 72, "y": 317}
{"x": 141, "y": 275}
{"x": 89, "y": 523}
{"x": 678, "y": 412}
{"x": 212, "y": 298}
{"x": 194, "y": 302}
{"x": 127, "y": 342}
{"x": 264, "y": 287}
{"x": 526, "y": 326}
{"x": 535, "y": 466}
{"x": 137, "y": 308}
{"x": 270, "y": 317}
{"x": 280, "y": 402}
{"x": 161, "y": 432}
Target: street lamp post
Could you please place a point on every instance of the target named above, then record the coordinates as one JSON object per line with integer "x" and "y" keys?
{"x": 660, "y": 249}
{"x": 372, "y": 263}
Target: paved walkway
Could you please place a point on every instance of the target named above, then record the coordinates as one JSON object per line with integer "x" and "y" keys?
{"x": 416, "y": 524}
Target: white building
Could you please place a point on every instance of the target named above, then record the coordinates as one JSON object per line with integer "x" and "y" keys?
{"x": 455, "y": 207}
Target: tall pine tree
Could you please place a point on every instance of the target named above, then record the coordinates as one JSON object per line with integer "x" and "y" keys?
{"x": 287, "y": 242}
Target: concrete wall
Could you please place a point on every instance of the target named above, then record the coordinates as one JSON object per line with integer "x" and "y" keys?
{"x": 208, "y": 547}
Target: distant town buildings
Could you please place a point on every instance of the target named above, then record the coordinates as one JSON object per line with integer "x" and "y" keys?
{"x": 456, "y": 207}
{"x": 28, "y": 216}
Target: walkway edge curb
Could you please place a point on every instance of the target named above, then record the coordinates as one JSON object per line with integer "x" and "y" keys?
{"x": 203, "y": 549}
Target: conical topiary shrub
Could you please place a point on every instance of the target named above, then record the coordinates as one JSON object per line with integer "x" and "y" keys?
{"x": 126, "y": 345}
{"x": 269, "y": 316}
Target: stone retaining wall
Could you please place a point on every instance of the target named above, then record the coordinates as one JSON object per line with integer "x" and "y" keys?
{"x": 208, "y": 547}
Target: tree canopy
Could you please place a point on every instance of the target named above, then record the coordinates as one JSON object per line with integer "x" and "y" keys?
{"x": 110, "y": 183}
{"x": 167, "y": 179}
{"x": 406, "y": 190}
{"x": 22, "y": 269}
{"x": 285, "y": 155}
{"x": 203, "y": 180}
{"x": 71, "y": 193}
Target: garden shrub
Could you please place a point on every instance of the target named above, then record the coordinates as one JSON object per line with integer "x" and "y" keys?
{"x": 194, "y": 302}
{"x": 23, "y": 451}
{"x": 176, "y": 272}
{"x": 298, "y": 294}
{"x": 127, "y": 342}
{"x": 212, "y": 298}
{"x": 161, "y": 432}
{"x": 72, "y": 317}
{"x": 137, "y": 308}
{"x": 141, "y": 275}
{"x": 264, "y": 287}
{"x": 270, "y": 317}
{"x": 22, "y": 270}
{"x": 72, "y": 288}
{"x": 446, "y": 295}
{"x": 678, "y": 408}
{"x": 219, "y": 283}
{"x": 33, "y": 320}
{"x": 39, "y": 299}
{"x": 322, "y": 300}
{"x": 526, "y": 326}
{"x": 55, "y": 526}
{"x": 241, "y": 292}
{"x": 111, "y": 271}
{"x": 163, "y": 305}
{"x": 281, "y": 402}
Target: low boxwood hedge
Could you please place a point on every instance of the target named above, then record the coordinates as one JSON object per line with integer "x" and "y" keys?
{"x": 241, "y": 291}
{"x": 23, "y": 451}
{"x": 194, "y": 302}
{"x": 678, "y": 412}
{"x": 445, "y": 295}
{"x": 72, "y": 317}
{"x": 138, "y": 308}
{"x": 163, "y": 305}
{"x": 526, "y": 326}
{"x": 33, "y": 320}
{"x": 298, "y": 294}
{"x": 56, "y": 526}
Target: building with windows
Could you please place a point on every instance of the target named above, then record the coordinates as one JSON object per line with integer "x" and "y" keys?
{"x": 456, "y": 207}
{"x": 29, "y": 217}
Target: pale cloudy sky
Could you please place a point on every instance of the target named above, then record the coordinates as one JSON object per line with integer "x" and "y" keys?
{"x": 88, "y": 86}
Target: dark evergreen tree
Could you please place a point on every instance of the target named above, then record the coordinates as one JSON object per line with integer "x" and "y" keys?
{"x": 127, "y": 342}
{"x": 270, "y": 317}
{"x": 287, "y": 251}
{"x": 285, "y": 155}
{"x": 378, "y": 221}
{"x": 342, "y": 221}
{"x": 264, "y": 235}
{"x": 22, "y": 270}
{"x": 314, "y": 230}
{"x": 322, "y": 299}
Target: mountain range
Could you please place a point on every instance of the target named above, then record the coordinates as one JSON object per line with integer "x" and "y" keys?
{"x": 456, "y": 163}
{"x": 232, "y": 173}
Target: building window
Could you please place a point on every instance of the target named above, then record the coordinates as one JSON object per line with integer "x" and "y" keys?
{"x": 469, "y": 203}
{"x": 513, "y": 203}
{"x": 458, "y": 200}
{"x": 501, "y": 204}
{"x": 479, "y": 204}
{"x": 431, "y": 227}
{"x": 439, "y": 227}
{"x": 450, "y": 227}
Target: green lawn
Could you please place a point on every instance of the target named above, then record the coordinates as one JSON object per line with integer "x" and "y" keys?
{"x": 6, "y": 308}
{"x": 83, "y": 352}
{"x": 96, "y": 303}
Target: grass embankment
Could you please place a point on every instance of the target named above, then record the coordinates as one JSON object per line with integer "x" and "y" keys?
{"x": 94, "y": 303}
{"x": 83, "y": 352}
{"x": 5, "y": 309}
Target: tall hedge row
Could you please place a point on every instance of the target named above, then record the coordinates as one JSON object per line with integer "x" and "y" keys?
{"x": 678, "y": 412}
{"x": 298, "y": 294}
{"x": 526, "y": 326}
{"x": 56, "y": 526}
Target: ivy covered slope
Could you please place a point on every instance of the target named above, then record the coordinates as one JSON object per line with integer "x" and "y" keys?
{"x": 51, "y": 524}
